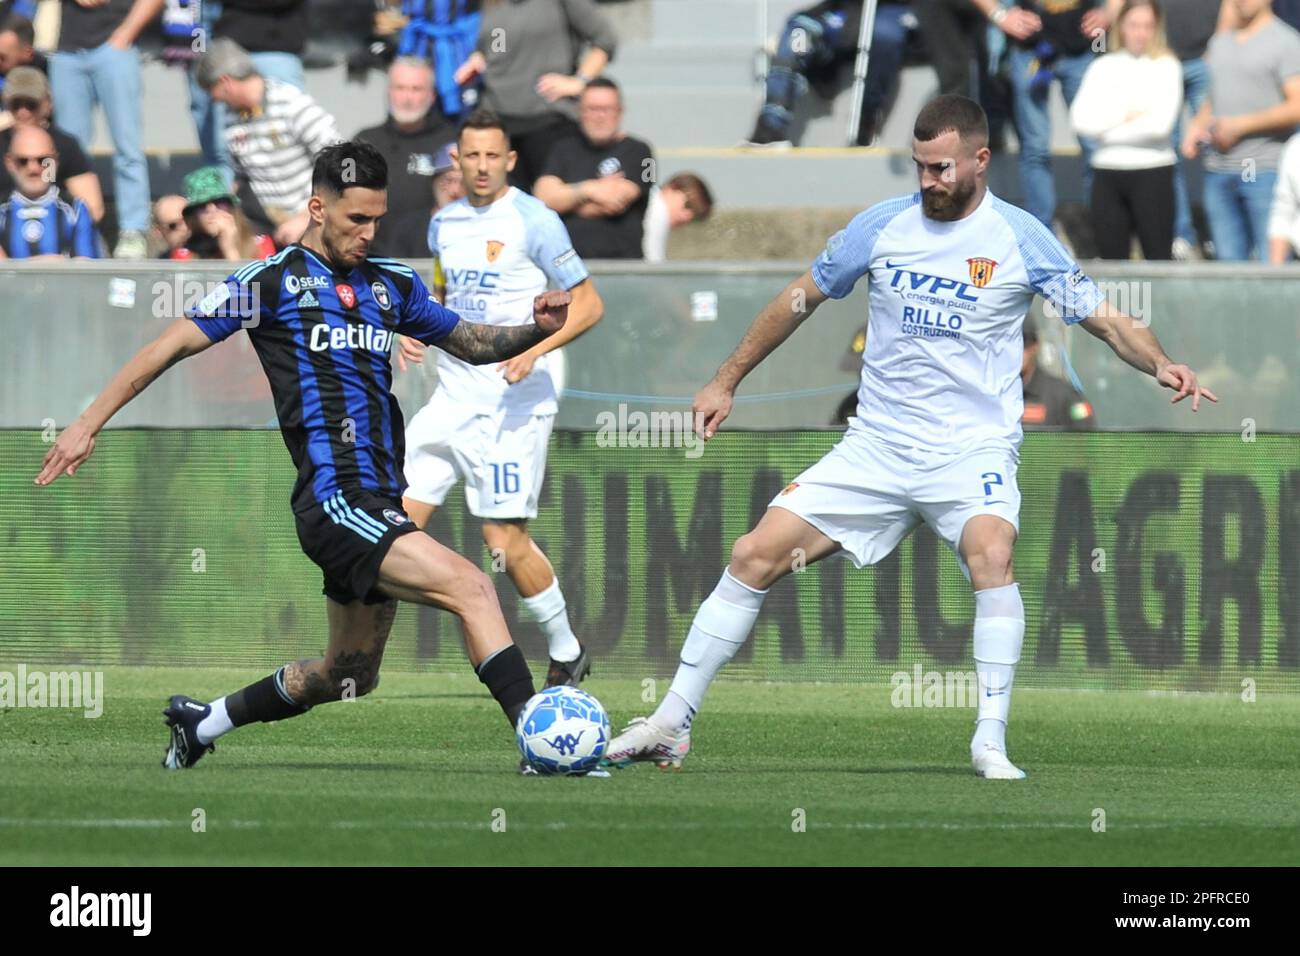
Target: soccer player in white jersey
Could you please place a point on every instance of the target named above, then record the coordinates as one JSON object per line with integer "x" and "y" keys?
{"x": 486, "y": 425}
{"x": 951, "y": 273}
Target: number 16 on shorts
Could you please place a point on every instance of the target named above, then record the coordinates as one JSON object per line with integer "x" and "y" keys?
{"x": 505, "y": 480}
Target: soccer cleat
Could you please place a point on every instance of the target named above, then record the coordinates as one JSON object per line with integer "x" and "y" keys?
{"x": 644, "y": 740}
{"x": 526, "y": 769}
{"x": 183, "y": 715}
{"x": 568, "y": 673}
{"x": 992, "y": 764}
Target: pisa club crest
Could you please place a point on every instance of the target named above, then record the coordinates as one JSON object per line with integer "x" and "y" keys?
{"x": 494, "y": 249}
{"x": 981, "y": 271}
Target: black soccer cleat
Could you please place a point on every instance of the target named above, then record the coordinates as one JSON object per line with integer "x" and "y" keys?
{"x": 182, "y": 716}
{"x": 570, "y": 673}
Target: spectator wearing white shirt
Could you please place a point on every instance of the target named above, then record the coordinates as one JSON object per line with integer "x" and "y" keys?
{"x": 273, "y": 132}
{"x": 682, "y": 200}
{"x": 1128, "y": 103}
{"x": 1284, "y": 214}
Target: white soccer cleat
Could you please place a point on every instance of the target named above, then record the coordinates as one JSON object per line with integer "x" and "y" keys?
{"x": 992, "y": 764}
{"x": 644, "y": 740}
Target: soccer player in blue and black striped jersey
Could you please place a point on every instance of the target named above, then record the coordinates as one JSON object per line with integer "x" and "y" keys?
{"x": 35, "y": 221}
{"x": 322, "y": 316}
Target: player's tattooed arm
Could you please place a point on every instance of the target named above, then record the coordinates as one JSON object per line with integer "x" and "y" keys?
{"x": 479, "y": 344}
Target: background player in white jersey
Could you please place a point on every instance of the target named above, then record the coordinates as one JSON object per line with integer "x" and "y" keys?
{"x": 952, "y": 272}
{"x": 489, "y": 426}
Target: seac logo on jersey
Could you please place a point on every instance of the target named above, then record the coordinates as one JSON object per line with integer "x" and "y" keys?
{"x": 981, "y": 271}
{"x": 380, "y": 292}
{"x": 293, "y": 285}
{"x": 494, "y": 249}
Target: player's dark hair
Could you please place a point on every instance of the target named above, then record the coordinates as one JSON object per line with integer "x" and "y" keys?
{"x": 952, "y": 112}
{"x": 484, "y": 119}
{"x": 347, "y": 164}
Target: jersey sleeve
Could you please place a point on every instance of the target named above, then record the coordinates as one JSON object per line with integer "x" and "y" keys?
{"x": 421, "y": 316}
{"x": 847, "y": 255}
{"x": 550, "y": 247}
{"x": 1055, "y": 276}
{"x": 244, "y": 300}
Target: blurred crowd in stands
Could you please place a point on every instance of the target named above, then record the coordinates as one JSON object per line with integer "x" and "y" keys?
{"x": 1151, "y": 87}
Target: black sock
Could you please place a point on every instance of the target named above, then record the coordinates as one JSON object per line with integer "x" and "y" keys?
{"x": 267, "y": 700}
{"x": 507, "y": 676}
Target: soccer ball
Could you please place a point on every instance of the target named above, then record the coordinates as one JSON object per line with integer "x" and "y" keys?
{"x": 563, "y": 730}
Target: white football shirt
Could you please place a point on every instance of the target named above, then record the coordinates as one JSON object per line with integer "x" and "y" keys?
{"x": 494, "y": 259}
{"x": 947, "y": 300}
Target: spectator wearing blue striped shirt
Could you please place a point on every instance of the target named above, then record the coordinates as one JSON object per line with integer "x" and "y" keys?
{"x": 35, "y": 222}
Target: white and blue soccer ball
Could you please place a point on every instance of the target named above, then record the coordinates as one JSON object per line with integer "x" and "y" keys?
{"x": 563, "y": 730}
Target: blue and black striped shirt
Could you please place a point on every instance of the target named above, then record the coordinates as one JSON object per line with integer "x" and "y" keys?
{"x": 323, "y": 337}
{"x": 48, "y": 226}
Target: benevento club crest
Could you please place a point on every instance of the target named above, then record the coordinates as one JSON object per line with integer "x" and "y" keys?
{"x": 494, "y": 249}
{"x": 981, "y": 271}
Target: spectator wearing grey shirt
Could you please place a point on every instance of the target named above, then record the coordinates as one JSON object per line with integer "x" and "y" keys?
{"x": 526, "y": 55}
{"x": 1253, "y": 106}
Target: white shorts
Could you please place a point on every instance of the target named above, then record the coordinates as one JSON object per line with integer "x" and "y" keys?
{"x": 867, "y": 495}
{"x": 501, "y": 457}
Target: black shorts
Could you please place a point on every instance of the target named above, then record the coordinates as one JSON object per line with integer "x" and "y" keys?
{"x": 348, "y": 538}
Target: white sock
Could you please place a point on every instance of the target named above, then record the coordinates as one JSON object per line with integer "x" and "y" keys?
{"x": 721, "y": 625}
{"x": 549, "y": 610}
{"x": 674, "y": 713}
{"x": 999, "y": 635}
{"x": 216, "y": 724}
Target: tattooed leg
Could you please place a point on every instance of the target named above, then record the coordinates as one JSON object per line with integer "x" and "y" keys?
{"x": 350, "y": 667}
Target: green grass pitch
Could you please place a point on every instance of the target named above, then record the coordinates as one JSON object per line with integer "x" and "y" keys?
{"x": 423, "y": 772}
